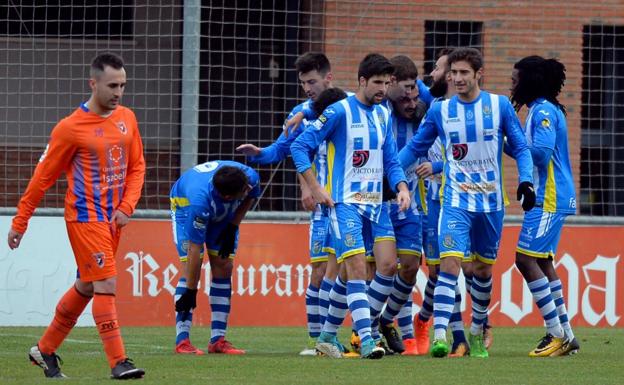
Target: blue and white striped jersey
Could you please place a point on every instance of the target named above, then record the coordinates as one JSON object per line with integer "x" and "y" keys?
{"x": 472, "y": 136}
{"x": 546, "y": 127}
{"x": 195, "y": 194}
{"x": 435, "y": 155}
{"x": 360, "y": 149}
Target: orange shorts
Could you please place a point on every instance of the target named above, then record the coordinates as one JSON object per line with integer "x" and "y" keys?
{"x": 94, "y": 248}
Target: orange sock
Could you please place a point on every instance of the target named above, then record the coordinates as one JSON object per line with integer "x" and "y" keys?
{"x": 67, "y": 312}
{"x": 105, "y": 316}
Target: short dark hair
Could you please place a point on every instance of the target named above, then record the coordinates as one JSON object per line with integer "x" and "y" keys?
{"x": 230, "y": 180}
{"x": 106, "y": 59}
{"x": 471, "y": 55}
{"x": 374, "y": 64}
{"x": 445, "y": 52}
{"x": 404, "y": 68}
{"x": 538, "y": 78}
{"x": 327, "y": 98}
{"x": 312, "y": 61}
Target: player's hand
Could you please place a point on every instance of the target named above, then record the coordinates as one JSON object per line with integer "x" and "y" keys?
{"x": 322, "y": 197}
{"x": 293, "y": 123}
{"x": 118, "y": 220}
{"x": 248, "y": 149}
{"x": 307, "y": 200}
{"x": 526, "y": 195}
{"x": 187, "y": 301}
{"x": 424, "y": 170}
{"x": 403, "y": 199}
{"x": 14, "y": 239}
{"x": 227, "y": 239}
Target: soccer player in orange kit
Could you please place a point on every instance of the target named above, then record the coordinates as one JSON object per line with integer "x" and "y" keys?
{"x": 99, "y": 148}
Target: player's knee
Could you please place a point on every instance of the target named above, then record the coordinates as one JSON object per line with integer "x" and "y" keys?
{"x": 318, "y": 272}
{"x": 481, "y": 270}
{"x": 387, "y": 268}
{"x": 524, "y": 263}
{"x": 105, "y": 286}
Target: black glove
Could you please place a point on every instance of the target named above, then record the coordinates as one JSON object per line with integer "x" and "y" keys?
{"x": 526, "y": 192}
{"x": 187, "y": 301}
{"x": 388, "y": 193}
{"x": 226, "y": 239}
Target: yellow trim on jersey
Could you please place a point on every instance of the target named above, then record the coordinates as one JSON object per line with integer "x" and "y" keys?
{"x": 533, "y": 254}
{"x": 329, "y": 250}
{"x": 432, "y": 262}
{"x": 331, "y": 157}
{"x": 550, "y": 193}
{"x": 215, "y": 253}
{"x": 505, "y": 196}
{"x": 351, "y": 253}
{"x": 178, "y": 202}
{"x": 319, "y": 259}
{"x": 422, "y": 193}
{"x": 471, "y": 257}
{"x": 484, "y": 260}
{"x": 384, "y": 238}
{"x": 456, "y": 254}
{"x": 370, "y": 258}
{"x": 409, "y": 252}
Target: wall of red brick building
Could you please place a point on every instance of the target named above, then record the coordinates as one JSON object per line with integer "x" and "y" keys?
{"x": 511, "y": 30}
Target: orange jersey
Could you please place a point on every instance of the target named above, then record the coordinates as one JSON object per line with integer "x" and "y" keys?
{"x": 103, "y": 160}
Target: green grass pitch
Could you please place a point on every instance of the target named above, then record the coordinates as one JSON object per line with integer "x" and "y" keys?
{"x": 272, "y": 359}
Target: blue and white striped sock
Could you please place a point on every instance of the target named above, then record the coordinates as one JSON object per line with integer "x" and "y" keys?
{"x": 426, "y": 311}
{"x": 337, "y": 307}
{"x": 543, "y": 299}
{"x": 184, "y": 320}
{"x": 312, "y": 311}
{"x": 323, "y": 304}
{"x": 405, "y": 320}
{"x": 399, "y": 295}
{"x": 378, "y": 293}
{"x": 481, "y": 294}
{"x": 220, "y": 297}
{"x": 443, "y": 303}
{"x": 360, "y": 308}
{"x": 556, "y": 290}
{"x": 455, "y": 322}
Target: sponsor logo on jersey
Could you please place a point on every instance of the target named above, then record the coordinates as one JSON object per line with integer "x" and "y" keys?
{"x": 460, "y": 151}
{"x": 322, "y": 119}
{"x": 45, "y": 152}
{"x": 199, "y": 223}
{"x": 115, "y": 153}
{"x": 360, "y": 158}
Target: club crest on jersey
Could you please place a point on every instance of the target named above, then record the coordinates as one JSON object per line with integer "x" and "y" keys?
{"x": 317, "y": 247}
{"x": 122, "y": 127}
{"x": 99, "y": 258}
{"x": 349, "y": 241}
{"x": 545, "y": 123}
{"x": 448, "y": 241}
{"x": 469, "y": 115}
{"x": 487, "y": 110}
{"x": 460, "y": 151}
{"x": 360, "y": 158}
{"x": 322, "y": 119}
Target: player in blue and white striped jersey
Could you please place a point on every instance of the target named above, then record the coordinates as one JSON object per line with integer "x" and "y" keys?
{"x": 536, "y": 83}
{"x": 314, "y": 71}
{"x": 402, "y": 101}
{"x": 472, "y": 126}
{"x": 441, "y": 88}
{"x": 360, "y": 150}
{"x": 208, "y": 203}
